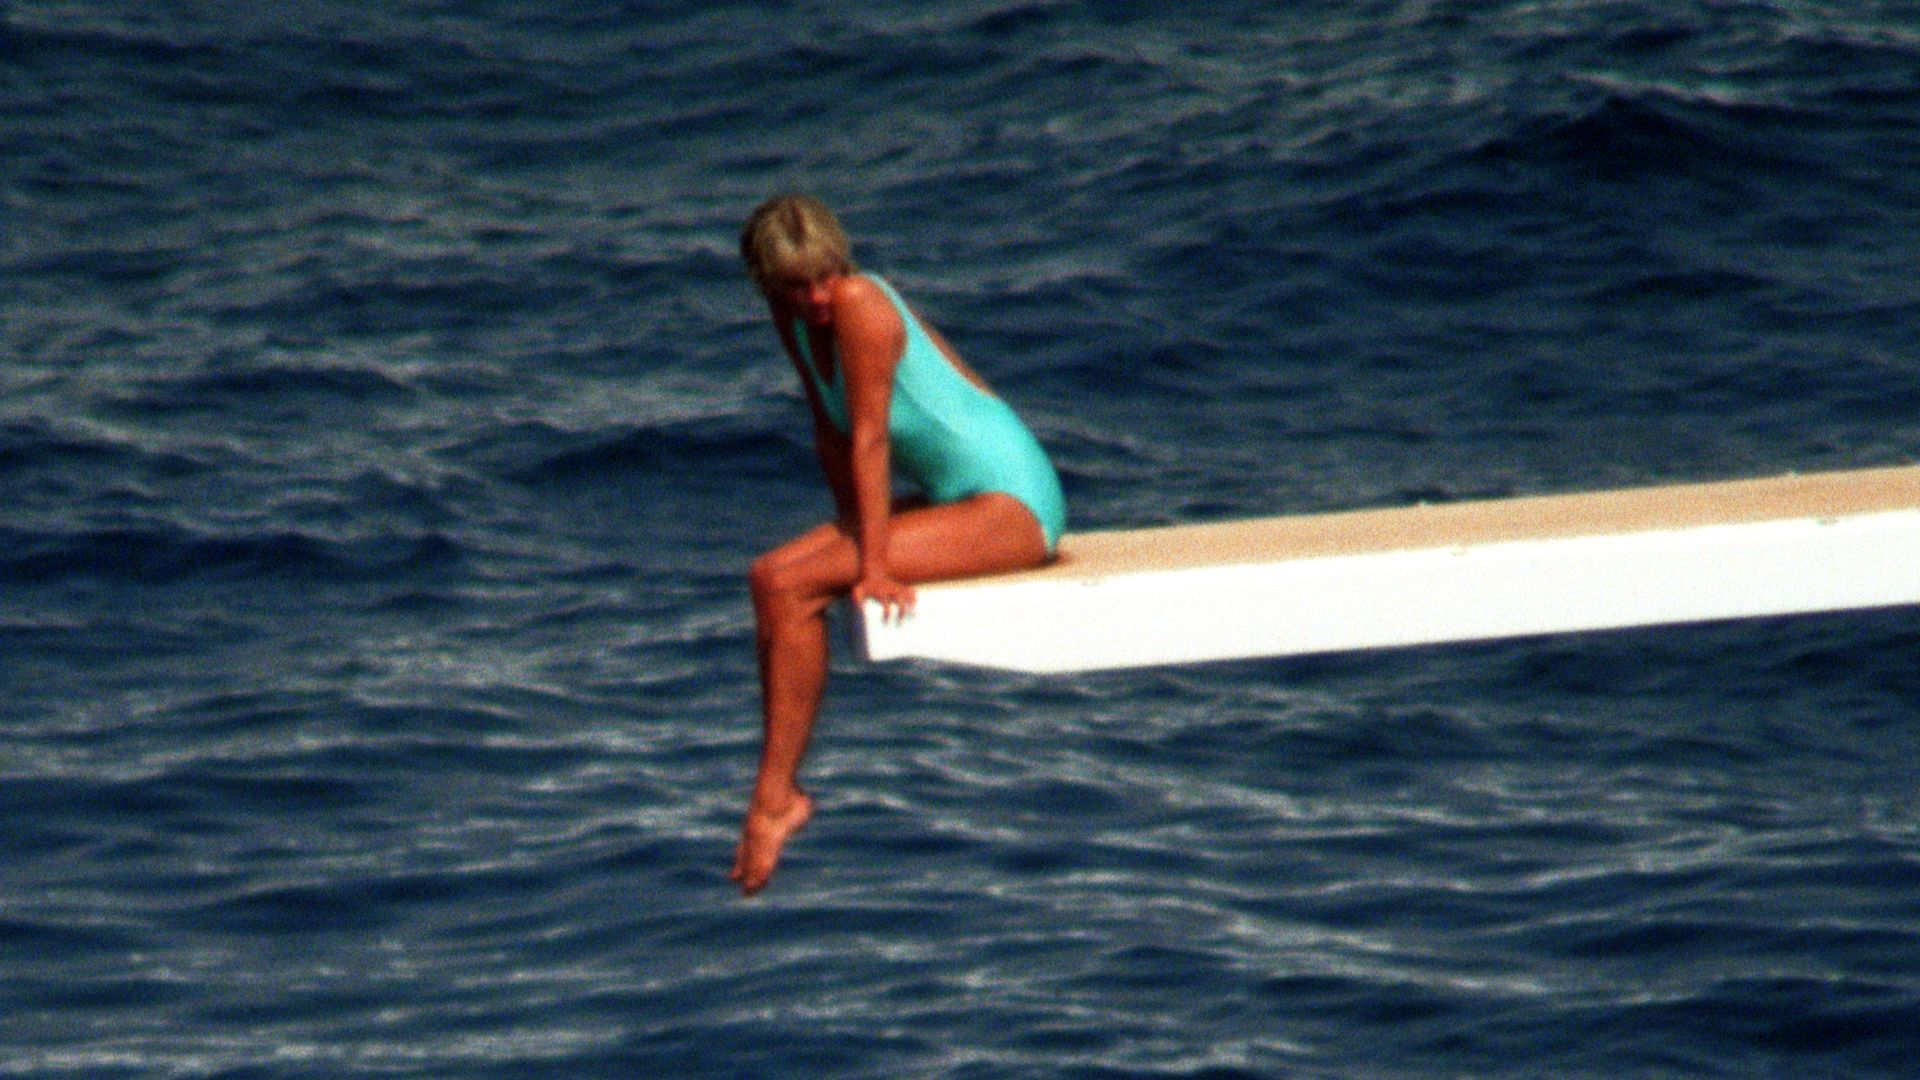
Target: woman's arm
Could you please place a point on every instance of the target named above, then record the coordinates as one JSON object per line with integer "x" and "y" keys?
{"x": 870, "y": 337}
{"x": 835, "y": 452}
{"x": 830, "y": 447}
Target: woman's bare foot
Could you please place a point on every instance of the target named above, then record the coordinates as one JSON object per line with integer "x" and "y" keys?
{"x": 762, "y": 837}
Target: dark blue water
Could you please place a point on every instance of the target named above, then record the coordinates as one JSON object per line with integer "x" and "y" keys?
{"x": 385, "y": 426}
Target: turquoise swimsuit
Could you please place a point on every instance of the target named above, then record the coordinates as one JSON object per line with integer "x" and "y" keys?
{"x": 952, "y": 438}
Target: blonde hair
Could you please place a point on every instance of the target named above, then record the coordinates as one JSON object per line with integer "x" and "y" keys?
{"x": 793, "y": 237}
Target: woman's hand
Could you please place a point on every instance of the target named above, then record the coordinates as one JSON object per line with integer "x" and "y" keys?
{"x": 895, "y": 597}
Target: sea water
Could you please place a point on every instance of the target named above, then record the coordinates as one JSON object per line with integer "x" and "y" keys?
{"x": 386, "y": 425}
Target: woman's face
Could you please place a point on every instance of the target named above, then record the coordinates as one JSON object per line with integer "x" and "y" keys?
{"x": 810, "y": 298}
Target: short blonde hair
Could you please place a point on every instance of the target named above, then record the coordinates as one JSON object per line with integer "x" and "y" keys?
{"x": 793, "y": 237}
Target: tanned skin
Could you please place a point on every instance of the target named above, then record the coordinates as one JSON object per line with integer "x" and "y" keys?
{"x": 874, "y": 549}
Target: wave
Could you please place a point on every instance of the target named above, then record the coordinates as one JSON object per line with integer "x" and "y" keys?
{"x": 1866, "y": 73}
{"x": 38, "y": 445}
{"x": 130, "y": 50}
{"x": 385, "y": 303}
{"x": 311, "y": 74}
{"x": 158, "y": 555}
{"x": 1625, "y": 137}
{"x": 1681, "y": 285}
{"x": 107, "y": 265}
{"x": 71, "y": 940}
{"x": 58, "y": 476}
{"x": 723, "y": 448}
{"x": 1010, "y": 20}
{"x": 271, "y": 382}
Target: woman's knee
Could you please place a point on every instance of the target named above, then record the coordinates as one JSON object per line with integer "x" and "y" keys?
{"x": 767, "y": 578}
{"x": 779, "y": 580}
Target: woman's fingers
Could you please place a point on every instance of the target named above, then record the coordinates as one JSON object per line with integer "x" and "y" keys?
{"x": 895, "y": 598}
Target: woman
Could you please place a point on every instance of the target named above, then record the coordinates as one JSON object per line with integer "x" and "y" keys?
{"x": 885, "y": 389}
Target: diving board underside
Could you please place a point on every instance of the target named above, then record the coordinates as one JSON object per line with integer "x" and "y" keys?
{"x": 1429, "y": 574}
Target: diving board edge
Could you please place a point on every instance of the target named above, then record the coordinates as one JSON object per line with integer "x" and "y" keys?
{"x": 1806, "y": 557}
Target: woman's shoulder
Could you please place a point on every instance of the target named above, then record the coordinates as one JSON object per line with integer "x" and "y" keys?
{"x": 864, "y": 297}
{"x": 861, "y": 288}
{"x": 866, "y": 322}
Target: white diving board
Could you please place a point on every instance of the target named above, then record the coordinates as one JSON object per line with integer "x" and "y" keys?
{"x": 1432, "y": 573}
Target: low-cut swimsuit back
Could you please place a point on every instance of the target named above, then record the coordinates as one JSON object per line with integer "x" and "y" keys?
{"x": 948, "y": 435}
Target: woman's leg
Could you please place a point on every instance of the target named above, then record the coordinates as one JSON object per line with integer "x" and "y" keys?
{"x": 794, "y": 584}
